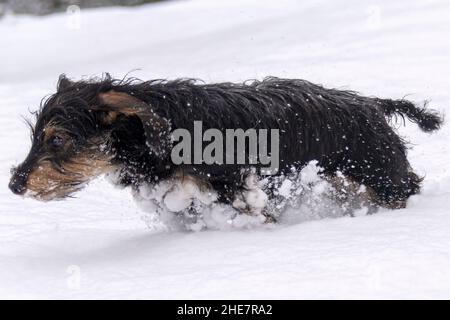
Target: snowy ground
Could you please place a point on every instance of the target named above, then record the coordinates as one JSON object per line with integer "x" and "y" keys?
{"x": 97, "y": 246}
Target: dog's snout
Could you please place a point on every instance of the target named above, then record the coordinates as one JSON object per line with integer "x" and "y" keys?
{"x": 18, "y": 183}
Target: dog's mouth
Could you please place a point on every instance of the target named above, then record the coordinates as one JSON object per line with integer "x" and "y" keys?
{"x": 54, "y": 193}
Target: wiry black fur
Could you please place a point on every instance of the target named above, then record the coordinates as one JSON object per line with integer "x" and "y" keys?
{"x": 342, "y": 130}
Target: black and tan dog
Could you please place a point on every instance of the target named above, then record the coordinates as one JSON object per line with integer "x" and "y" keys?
{"x": 88, "y": 128}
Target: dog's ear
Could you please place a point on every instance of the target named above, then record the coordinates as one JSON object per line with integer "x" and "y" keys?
{"x": 63, "y": 83}
{"x": 156, "y": 128}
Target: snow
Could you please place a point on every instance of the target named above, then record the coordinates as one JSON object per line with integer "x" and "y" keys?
{"x": 97, "y": 244}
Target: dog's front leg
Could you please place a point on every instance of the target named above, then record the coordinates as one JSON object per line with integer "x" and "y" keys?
{"x": 250, "y": 198}
{"x": 188, "y": 194}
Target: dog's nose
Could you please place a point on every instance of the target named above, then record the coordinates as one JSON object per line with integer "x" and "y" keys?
{"x": 17, "y": 183}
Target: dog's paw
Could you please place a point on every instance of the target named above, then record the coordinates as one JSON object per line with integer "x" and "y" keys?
{"x": 252, "y": 199}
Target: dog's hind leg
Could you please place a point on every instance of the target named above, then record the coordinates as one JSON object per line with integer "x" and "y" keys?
{"x": 378, "y": 159}
{"x": 392, "y": 184}
{"x": 351, "y": 195}
{"x": 395, "y": 193}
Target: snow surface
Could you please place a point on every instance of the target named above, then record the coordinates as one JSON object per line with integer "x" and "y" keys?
{"x": 99, "y": 245}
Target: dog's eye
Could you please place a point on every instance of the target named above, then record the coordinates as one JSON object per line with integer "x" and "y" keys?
{"x": 57, "y": 142}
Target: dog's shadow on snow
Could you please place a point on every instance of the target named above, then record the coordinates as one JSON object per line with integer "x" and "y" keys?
{"x": 176, "y": 245}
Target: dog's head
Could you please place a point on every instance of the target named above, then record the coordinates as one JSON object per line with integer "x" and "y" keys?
{"x": 77, "y": 133}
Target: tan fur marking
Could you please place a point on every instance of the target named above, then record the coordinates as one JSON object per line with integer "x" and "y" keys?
{"x": 123, "y": 102}
{"x": 350, "y": 191}
{"x": 49, "y": 131}
{"x": 184, "y": 178}
{"x": 128, "y": 105}
{"x": 110, "y": 117}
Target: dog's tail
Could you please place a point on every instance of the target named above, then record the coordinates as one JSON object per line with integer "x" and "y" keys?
{"x": 427, "y": 119}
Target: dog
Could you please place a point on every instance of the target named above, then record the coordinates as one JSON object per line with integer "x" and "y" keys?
{"x": 124, "y": 127}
